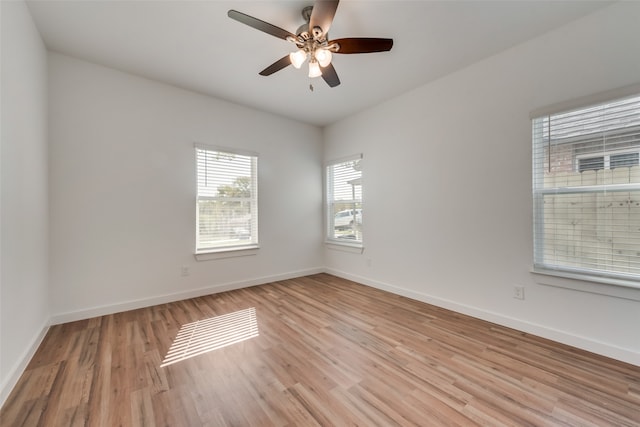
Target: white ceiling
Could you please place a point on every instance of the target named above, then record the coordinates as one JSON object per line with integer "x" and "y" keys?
{"x": 194, "y": 45}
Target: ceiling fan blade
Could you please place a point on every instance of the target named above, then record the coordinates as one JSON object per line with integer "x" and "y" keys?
{"x": 260, "y": 25}
{"x": 330, "y": 76}
{"x": 363, "y": 45}
{"x": 276, "y": 66}
{"x": 322, "y": 16}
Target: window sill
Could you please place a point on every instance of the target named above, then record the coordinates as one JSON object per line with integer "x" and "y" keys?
{"x": 354, "y": 248}
{"x": 224, "y": 253}
{"x": 619, "y": 288}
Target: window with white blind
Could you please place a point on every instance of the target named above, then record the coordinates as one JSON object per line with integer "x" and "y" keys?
{"x": 586, "y": 191}
{"x": 344, "y": 201}
{"x": 227, "y": 200}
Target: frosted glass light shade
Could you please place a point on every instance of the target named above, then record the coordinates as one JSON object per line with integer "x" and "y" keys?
{"x": 314, "y": 69}
{"x": 297, "y": 58}
{"x": 323, "y": 56}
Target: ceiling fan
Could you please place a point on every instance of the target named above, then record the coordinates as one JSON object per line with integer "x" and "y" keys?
{"x": 311, "y": 40}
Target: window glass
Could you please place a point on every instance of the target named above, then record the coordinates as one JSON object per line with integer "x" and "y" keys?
{"x": 591, "y": 163}
{"x": 624, "y": 160}
{"x": 344, "y": 201}
{"x": 227, "y": 201}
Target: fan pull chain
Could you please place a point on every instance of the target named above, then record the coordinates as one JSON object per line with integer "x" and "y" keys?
{"x": 311, "y": 87}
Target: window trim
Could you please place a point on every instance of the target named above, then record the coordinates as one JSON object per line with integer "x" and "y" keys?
{"x": 589, "y": 284}
{"x": 227, "y": 253}
{"x": 586, "y": 101}
{"x": 605, "y": 280}
{"x": 358, "y": 245}
{"x": 232, "y": 250}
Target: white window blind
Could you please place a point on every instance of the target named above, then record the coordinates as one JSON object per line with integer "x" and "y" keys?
{"x": 586, "y": 190}
{"x": 344, "y": 201}
{"x": 227, "y": 200}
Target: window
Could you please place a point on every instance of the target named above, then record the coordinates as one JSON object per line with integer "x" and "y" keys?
{"x": 586, "y": 190}
{"x": 607, "y": 161}
{"x": 344, "y": 201}
{"x": 227, "y": 201}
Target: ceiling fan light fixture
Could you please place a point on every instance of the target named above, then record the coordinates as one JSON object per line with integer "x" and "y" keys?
{"x": 312, "y": 42}
{"x": 297, "y": 58}
{"x": 314, "y": 69}
{"x": 323, "y": 56}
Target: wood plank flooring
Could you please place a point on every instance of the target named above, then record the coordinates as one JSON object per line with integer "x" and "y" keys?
{"x": 328, "y": 352}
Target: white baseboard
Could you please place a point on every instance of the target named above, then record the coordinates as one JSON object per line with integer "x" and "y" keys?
{"x": 21, "y": 365}
{"x": 177, "y": 296}
{"x": 563, "y": 337}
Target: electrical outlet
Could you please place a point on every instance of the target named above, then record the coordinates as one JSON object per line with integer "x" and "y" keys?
{"x": 184, "y": 270}
{"x": 518, "y": 292}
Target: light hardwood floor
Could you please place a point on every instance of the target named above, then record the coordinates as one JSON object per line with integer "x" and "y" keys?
{"x": 327, "y": 352}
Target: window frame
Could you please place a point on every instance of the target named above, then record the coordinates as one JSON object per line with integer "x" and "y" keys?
{"x": 330, "y": 203}
{"x": 231, "y": 249}
{"x": 602, "y": 277}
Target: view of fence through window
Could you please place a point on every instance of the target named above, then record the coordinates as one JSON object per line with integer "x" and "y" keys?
{"x": 227, "y": 199}
{"x": 586, "y": 187}
{"x": 344, "y": 201}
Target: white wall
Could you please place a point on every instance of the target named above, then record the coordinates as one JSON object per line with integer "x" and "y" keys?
{"x": 123, "y": 191}
{"x": 447, "y": 186}
{"x": 24, "y": 311}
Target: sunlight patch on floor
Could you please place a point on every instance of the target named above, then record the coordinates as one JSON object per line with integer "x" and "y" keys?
{"x": 211, "y": 334}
